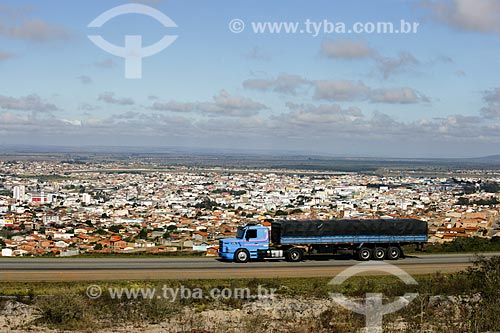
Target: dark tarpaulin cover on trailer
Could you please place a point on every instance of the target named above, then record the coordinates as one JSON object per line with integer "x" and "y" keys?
{"x": 390, "y": 227}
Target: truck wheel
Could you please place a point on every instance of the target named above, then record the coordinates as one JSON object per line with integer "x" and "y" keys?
{"x": 364, "y": 254}
{"x": 393, "y": 253}
{"x": 241, "y": 256}
{"x": 294, "y": 255}
{"x": 379, "y": 253}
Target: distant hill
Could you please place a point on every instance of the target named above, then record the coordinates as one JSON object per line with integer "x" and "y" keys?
{"x": 487, "y": 159}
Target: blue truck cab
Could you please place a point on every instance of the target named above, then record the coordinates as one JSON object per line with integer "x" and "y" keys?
{"x": 250, "y": 240}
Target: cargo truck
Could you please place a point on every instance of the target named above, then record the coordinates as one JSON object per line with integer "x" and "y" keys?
{"x": 376, "y": 239}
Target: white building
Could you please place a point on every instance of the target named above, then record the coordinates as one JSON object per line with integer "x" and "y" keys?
{"x": 6, "y": 252}
{"x": 86, "y": 198}
{"x": 58, "y": 235}
{"x": 40, "y": 198}
{"x": 19, "y": 193}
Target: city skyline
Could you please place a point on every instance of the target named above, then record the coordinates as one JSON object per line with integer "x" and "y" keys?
{"x": 431, "y": 93}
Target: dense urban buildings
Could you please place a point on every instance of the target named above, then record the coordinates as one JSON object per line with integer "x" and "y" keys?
{"x": 68, "y": 208}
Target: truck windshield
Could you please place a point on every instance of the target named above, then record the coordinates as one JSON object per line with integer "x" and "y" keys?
{"x": 240, "y": 233}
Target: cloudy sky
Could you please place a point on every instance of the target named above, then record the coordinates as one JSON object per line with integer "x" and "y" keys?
{"x": 434, "y": 92}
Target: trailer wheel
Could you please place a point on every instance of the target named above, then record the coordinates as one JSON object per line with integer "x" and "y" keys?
{"x": 393, "y": 253}
{"x": 294, "y": 255}
{"x": 364, "y": 254}
{"x": 241, "y": 256}
{"x": 379, "y": 253}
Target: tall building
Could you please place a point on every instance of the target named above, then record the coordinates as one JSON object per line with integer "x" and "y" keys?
{"x": 86, "y": 198}
{"x": 19, "y": 193}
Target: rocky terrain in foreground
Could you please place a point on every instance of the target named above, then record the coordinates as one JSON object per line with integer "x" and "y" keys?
{"x": 283, "y": 314}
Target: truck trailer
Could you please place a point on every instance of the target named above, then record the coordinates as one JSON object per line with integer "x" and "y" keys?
{"x": 376, "y": 239}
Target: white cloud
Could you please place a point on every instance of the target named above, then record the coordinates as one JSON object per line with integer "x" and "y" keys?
{"x": 325, "y": 113}
{"x": 391, "y": 65}
{"x": 491, "y": 111}
{"x": 340, "y": 90}
{"x": 173, "y": 106}
{"x": 131, "y": 125}
{"x": 397, "y": 96}
{"x": 283, "y": 83}
{"x": 332, "y": 122}
{"x": 344, "y": 90}
{"x": 223, "y": 104}
{"x": 336, "y": 90}
{"x": 31, "y": 102}
{"x": 227, "y": 101}
{"x": 350, "y": 49}
{"x": 346, "y": 49}
{"x": 492, "y": 95}
{"x": 467, "y": 15}
{"x": 492, "y": 98}
{"x": 73, "y": 122}
{"x": 325, "y": 127}
{"x": 109, "y": 97}
{"x": 35, "y": 30}
{"x": 259, "y": 84}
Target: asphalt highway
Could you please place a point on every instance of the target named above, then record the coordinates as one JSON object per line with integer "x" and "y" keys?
{"x": 98, "y": 269}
